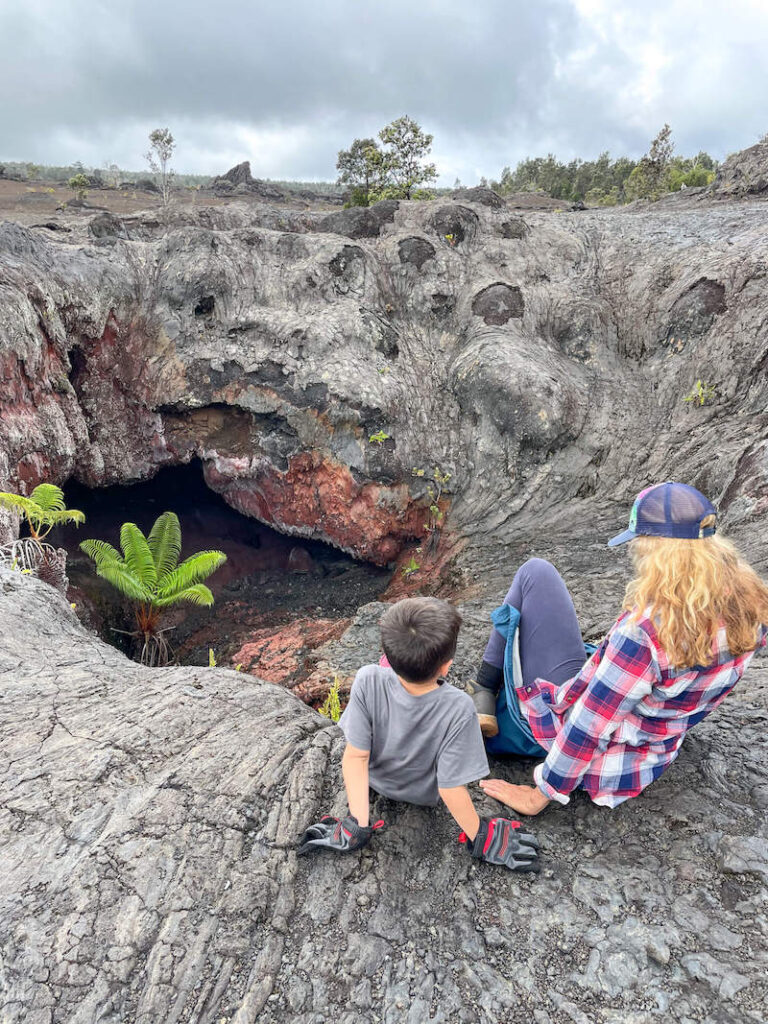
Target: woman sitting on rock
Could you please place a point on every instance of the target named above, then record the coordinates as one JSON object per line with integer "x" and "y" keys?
{"x": 692, "y": 618}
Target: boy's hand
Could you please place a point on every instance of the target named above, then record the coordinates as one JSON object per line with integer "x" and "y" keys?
{"x": 498, "y": 841}
{"x": 341, "y": 834}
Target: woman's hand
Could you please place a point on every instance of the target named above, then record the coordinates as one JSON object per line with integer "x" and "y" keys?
{"x": 523, "y": 799}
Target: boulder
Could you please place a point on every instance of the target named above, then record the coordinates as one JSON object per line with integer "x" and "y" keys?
{"x": 744, "y": 173}
{"x": 360, "y": 221}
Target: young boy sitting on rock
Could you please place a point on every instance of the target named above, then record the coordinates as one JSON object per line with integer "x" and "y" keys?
{"x": 412, "y": 736}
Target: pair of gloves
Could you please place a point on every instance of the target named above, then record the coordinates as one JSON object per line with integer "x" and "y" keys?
{"x": 498, "y": 840}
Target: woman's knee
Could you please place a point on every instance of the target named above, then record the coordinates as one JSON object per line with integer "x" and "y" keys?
{"x": 536, "y": 569}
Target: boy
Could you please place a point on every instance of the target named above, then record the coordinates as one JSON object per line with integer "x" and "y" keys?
{"x": 412, "y": 736}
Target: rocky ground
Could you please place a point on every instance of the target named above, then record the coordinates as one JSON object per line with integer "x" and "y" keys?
{"x": 322, "y": 365}
{"x": 148, "y": 821}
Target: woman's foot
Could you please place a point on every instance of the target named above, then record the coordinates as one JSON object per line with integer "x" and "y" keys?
{"x": 485, "y": 705}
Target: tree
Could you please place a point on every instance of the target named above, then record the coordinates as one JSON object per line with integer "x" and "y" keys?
{"x": 78, "y": 183}
{"x": 362, "y": 167}
{"x": 161, "y": 147}
{"x": 406, "y": 147}
{"x": 651, "y": 178}
{"x": 148, "y": 573}
{"x": 112, "y": 173}
{"x": 42, "y": 510}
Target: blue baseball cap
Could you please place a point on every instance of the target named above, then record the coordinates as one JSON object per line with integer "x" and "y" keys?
{"x": 668, "y": 510}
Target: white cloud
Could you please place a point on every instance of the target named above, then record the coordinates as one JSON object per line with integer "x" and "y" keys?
{"x": 288, "y": 85}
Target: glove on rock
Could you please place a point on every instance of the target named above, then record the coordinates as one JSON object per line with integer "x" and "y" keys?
{"x": 498, "y": 841}
{"x": 341, "y": 834}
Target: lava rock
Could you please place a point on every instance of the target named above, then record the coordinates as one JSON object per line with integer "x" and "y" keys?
{"x": 455, "y": 223}
{"x": 498, "y": 303}
{"x": 483, "y": 196}
{"x": 415, "y": 250}
{"x": 105, "y": 225}
{"x": 361, "y": 221}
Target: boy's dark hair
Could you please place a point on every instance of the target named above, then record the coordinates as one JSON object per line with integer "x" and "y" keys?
{"x": 418, "y": 636}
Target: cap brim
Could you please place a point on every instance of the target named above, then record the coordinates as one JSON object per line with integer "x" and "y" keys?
{"x": 621, "y": 538}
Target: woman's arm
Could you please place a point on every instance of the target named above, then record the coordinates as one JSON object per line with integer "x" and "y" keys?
{"x": 459, "y": 803}
{"x": 354, "y": 767}
{"x": 626, "y": 674}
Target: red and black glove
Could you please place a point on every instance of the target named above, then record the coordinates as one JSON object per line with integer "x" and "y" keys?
{"x": 341, "y": 834}
{"x": 498, "y": 841}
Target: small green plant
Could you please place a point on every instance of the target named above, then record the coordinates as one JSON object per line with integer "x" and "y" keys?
{"x": 149, "y": 574}
{"x": 701, "y": 393}
{"x": 43, "y": 509}
{"x": 331, "y": 706}
{"x": 379, "y": 437}
{"x": 211, "y": 658}
{"x": 437, "y": 484}
{"x": 79, "y": 183}
{"x": 410, "y": 567}
{"x": 451, "y": 240}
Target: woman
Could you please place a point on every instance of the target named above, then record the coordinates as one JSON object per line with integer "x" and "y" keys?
{"x": 691, "y": 621}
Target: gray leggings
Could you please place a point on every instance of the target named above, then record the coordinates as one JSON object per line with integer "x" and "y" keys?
{"x": 550, "y": 639}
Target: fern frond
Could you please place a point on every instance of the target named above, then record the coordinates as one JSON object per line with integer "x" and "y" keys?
{"x": 70, "y": 515}
{"x": 138, "y": 557}
{"x": 165, "y": 544}
{"x": 121, "y": 577}
{"x": 49, "y": 497}
{"x": 100, "y": 551}
{"x": 192, "y": 570}
{"x": 19, "y": 503}
{"x": 196, "y": 594}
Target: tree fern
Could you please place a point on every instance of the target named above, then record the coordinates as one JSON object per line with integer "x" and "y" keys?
{"x": 43, "y": 509}
{"x": 147, "y": 572}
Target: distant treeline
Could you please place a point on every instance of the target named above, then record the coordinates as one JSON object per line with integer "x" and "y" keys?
{"x": 395, "y": 169}
{"x": 607, "y": 182}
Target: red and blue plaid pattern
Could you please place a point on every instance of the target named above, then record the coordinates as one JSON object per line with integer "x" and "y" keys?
{"x": 619, "y": 723}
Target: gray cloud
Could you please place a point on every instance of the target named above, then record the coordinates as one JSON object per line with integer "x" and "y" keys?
{"x": 287, "y": 84}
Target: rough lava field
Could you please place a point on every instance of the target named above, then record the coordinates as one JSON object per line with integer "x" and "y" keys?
{"x": 541, "y": 357}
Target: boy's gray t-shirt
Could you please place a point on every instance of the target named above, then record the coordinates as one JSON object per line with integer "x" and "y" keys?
{"x": 416, "y": 743}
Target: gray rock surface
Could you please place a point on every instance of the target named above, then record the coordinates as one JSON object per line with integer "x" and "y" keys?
{"x": 272, "y": 343}
{"x": 146, "y": 833}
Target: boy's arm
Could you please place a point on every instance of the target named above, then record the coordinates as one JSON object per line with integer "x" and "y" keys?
{"x": 354, "y": 767}
{"x": 459, "y": 803}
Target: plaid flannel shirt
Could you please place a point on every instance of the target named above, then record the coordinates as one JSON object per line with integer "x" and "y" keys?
{"x": 619, "y": 723}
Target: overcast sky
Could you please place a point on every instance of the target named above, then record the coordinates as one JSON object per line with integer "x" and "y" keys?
{"x": 287, "y": 83}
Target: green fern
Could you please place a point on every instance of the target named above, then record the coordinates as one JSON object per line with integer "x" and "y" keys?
{"x": 147, "y": 572}
{"x": 43, "y": 509}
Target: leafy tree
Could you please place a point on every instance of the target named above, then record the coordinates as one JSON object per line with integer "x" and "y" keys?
{"x": 161, "y": 147}
{"x": 407, "y": 145}
{"x": 43, "y": 509}
{"x": 149, "y": 574}
{"x": 78, "y": 183}
{"x": 651, "y": 178}
{"x": 362, "y": 167}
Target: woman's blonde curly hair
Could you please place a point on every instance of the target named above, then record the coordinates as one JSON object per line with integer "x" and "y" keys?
{"x": 693, "y": 588}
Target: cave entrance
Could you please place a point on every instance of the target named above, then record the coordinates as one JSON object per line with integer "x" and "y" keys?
{"x": 278, "y": 598}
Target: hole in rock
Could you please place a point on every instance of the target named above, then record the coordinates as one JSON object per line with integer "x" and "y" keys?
{"x": 277, "y": 597}
{"x": 205, "y": 306}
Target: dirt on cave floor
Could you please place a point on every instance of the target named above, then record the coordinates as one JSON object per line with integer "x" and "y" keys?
{"x": 277, "y": 598}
